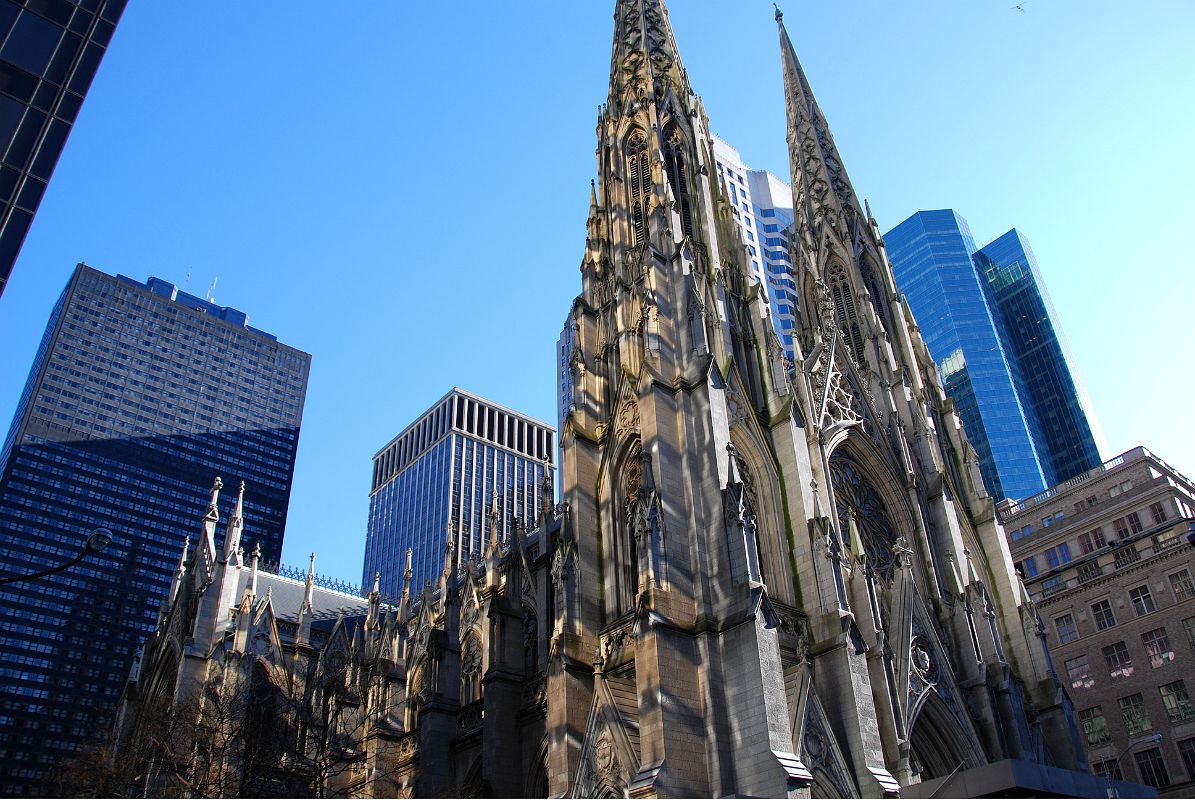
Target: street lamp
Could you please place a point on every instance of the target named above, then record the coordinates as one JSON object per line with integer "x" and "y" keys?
{"x": 97, "y": 540}
{"x": 1153, "y": 738}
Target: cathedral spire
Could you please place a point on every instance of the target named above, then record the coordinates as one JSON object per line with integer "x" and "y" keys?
{"x": 645, "y": 58}
{"x": 820, "y": 182}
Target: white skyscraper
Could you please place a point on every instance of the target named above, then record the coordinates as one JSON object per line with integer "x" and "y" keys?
{"x": 762, "y": 207}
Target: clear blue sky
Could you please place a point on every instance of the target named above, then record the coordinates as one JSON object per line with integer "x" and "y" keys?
{"x": 400, "y": 189}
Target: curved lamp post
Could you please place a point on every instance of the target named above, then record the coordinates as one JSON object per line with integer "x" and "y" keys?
{"x": 99, "y": 539}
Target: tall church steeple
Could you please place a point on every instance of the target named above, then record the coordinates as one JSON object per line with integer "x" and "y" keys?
{"x": 761, "y": 544}
{"x": 820, "y": 182}
{"x": 835, "y": 240}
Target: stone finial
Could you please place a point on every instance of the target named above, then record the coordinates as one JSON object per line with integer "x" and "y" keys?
{"x": 217, "y": 485}
{"x": 253, "y": 560}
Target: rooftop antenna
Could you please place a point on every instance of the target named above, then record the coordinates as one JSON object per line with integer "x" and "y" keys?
{"x": 211, "y": 289}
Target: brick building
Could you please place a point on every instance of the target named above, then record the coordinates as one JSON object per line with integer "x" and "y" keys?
{"x": 1107, "y": 560}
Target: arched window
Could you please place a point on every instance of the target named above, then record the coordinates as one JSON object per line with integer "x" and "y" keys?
{"x": 855, "y": 496}
{"x": 847, "y": 317}
{"x": 678, "y": 177}
{"x": 874, "y": 288}
{"x": 639, "y": 174}
{"x": 625, "y": 566}
{"x": 470, "y": 671}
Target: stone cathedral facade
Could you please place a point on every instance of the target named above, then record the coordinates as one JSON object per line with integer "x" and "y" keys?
{"x": 788, "y": 576}
{"x": 766, "y": 578}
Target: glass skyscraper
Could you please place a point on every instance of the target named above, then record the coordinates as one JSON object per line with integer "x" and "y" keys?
{"x": 1030, "y": 332}
{"x": 139, "y": 395}
{"x": 49, "y": 52}
{"x": 988, "y": 324}
{"x": 444, "y": 469}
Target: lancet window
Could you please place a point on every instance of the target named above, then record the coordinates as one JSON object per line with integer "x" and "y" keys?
{"x": 678, "y": 177}
{"x": 639, "y": 179}
{"x": 471, "y": 671}
{"x": 874, "y": 289}
{"x": 626, "y": 554}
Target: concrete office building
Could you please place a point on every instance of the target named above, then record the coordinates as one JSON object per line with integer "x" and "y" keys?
{"x": 451, "y": 470}
{"x": 762, "y": 206}
{"x": 1107, "y": 561}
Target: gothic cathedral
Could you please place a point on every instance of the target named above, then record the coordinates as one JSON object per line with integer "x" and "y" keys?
{"x": 767, "y": 578}
{"x": 774, "y": 578}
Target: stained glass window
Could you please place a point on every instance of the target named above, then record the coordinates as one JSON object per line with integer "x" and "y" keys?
{"x": 853, "y": 493}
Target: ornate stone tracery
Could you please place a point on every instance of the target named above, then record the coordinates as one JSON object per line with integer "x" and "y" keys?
{"x": 855, "y": 495}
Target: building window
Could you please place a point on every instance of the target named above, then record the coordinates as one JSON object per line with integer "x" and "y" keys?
{"x": 640, "y": 184}
{"x": 1067, "y": 632}
{"x": 1143, "y": 601}
{"x": 1159, "y": 512}
{"x": 1157, "y": 645}
{"x": 1120, "y": 489}
{"x": 1181, "y": 585}
{"x": 1092, "y": 540}
{"x": 1057, "y": 556}
{"x": 1030, "y": 566}
{"x": 1189, "y": 626}
{"x": 1136, "y": 720}
{"x": 1135, "y": 523}
{"x": 1122, "y": 528}
{"x": 1108, "y": 768}
{"x": 1152, "y": 767}
{"x": 1186, "y": 750}
{"x": 1079, "y": 670}
{"x": 1053, "y": 585}
{"x": 674, "y": 164}
{"x": 1176, "y": 701}
{"x": 1092, "y": 500}
{"x": 1101, "y": 612}
{"x": 1095, "y": 727}
{"x": 1116, "y": 656}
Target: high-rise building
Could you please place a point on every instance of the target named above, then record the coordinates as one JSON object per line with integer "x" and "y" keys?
{"x": 447, "y": 474}
{"x": 762, "y": 206}
{"x": 1107, "y": 561}
{"x": 49, "y": 52}
{"x": 1066, "y": 427}
{"x": 989, "y": 326}
{"x": 138, "y": 395}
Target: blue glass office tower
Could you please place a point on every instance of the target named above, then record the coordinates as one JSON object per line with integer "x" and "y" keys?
{"x": 139, "y": 395}
{"x": 49, "y": 52}
{"x": 1030, "y": 334}
{"x": 444, "y": 469}
{"x": 986, "y": 323}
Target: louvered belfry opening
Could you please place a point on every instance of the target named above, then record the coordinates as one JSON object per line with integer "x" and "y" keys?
{"x": 678, "y": 178}
{"x": 848, "y": 318}
{"x": 640, "y": 180}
